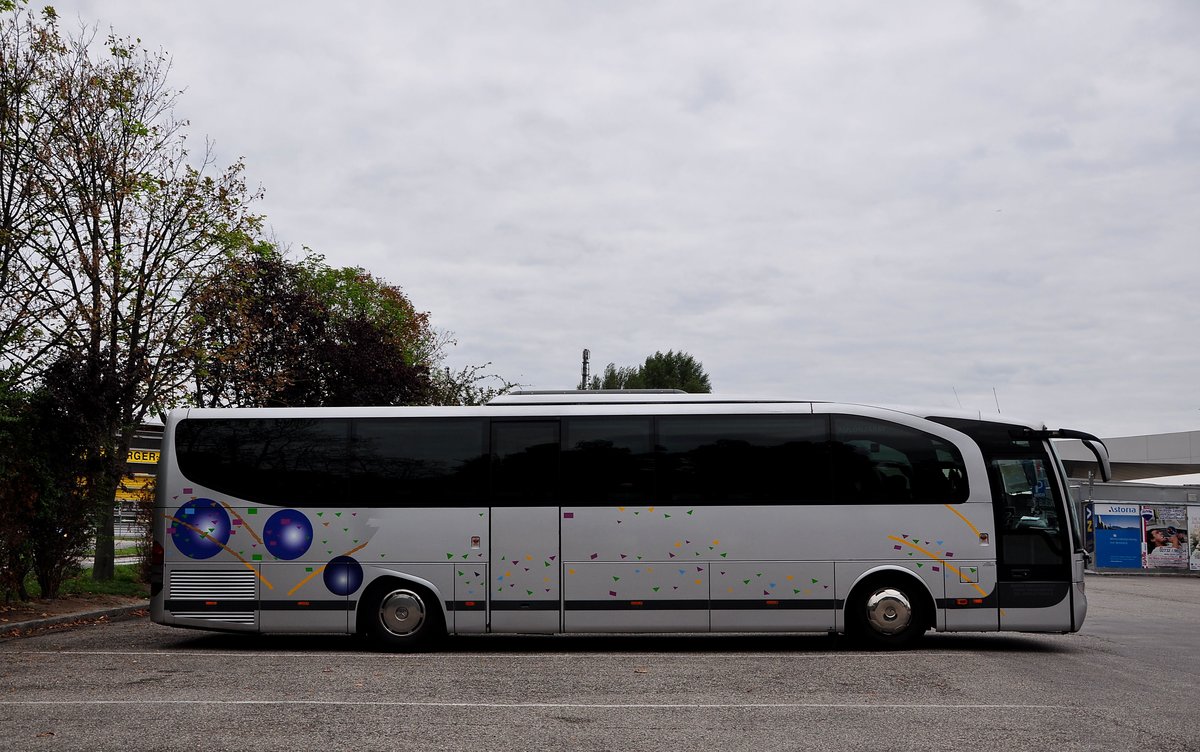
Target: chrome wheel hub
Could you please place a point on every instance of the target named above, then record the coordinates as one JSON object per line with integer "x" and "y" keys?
{"x": 402, "y": 612}
{"x": 889, "y": 611}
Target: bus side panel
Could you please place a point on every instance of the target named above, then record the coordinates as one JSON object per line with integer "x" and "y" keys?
{"x": 425, "y": 546}
{"x": 783, "y": 596}
{"x": 1078, "y": 594}
{"x": 208, "y": 582}
{"x": 971, "y": 597}
{"x": 437, "y": 578}
{"x": 1035, "y": 606}
{"x": 445, "y": 547}
{"x": 221, "y": 596}
{"x": 524, "y": 584}
{"x": 427, "y": 535}
{"x": 298, "y": 600}
{"x": 639, "y": 596}
{"x": 643, "y": 568}
{"x": 469, "y": 610}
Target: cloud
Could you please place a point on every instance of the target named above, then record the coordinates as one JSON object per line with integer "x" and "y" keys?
{"x": 851, "y": 201}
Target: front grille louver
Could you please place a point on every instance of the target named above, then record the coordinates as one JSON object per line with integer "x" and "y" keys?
{"x": 217, "y": 586}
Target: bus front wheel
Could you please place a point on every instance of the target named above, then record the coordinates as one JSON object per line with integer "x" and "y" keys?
{"x": 400, "y": 616}
{"x": 887, "y": 613}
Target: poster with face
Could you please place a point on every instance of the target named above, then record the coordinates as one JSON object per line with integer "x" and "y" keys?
{"x": 1166, "y": 536}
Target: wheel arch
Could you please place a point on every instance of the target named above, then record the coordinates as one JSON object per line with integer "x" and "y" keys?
{"x": 382, "y": 579}
{"x": 883, "y": 572}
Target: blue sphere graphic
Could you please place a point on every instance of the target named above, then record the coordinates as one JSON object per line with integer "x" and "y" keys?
{"x": 343, "y": 575}
{"x": 288, "y": 534}
{"x": 205, "y": 530}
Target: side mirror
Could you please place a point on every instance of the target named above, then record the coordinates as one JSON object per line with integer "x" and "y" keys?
{"x": 1096, "y": 447}
{"x": 1093, "y": 444}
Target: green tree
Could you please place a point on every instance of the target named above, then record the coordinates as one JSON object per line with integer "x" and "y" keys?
{"x": 18, "y": 494}
{"x": 69, "y": 415}
{"x": 670, "y": 370}
{"x": 46, "y": 457}
{"x": 275, "y": 332}
{"x": 615, "y": 378}
{"x": 30, "y": 290}
{"x": 470, "y": 385}
{"x": 112, "y": 227}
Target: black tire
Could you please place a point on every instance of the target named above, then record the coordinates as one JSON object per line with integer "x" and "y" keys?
{"x": 888, "y": 612}
{"x": 398, "y": 615}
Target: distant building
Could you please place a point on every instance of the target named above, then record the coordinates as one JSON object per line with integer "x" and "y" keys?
{"x": 1140, "y": 527}
{"x": 1138, "y": 457}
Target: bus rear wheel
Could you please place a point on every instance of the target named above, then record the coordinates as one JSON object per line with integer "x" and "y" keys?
{"x": 400, "y": 616}
{"x": 887, "y": 613}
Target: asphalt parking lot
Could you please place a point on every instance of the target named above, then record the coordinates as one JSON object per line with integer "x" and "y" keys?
{"x": 1129, "y": 680}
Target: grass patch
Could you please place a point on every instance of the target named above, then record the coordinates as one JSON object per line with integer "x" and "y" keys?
{"x": 124, "y": 582}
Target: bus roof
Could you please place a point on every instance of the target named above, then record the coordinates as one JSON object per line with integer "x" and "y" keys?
{"x": 677, "y": 397}
{"x": 624, "y": 397}
{"x": 604, "y": 401}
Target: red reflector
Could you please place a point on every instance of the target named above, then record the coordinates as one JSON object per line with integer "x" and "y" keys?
{"x": 470, "y": 604}
{"x": 210, "y": 603}
{"x": 772, "y": 603}
{"x": 961, "y": 601}
{"x": 979, "y": 601}
{"x": 303, "y": 603}
{"x": 637, "y": 603}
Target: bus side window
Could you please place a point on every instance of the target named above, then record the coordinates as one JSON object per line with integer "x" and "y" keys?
{"x": 876, "y": 461}
{"x": 407, "y": 462}
{"x": 284, "y": 461}
{"x": 743, "y": 459}
{"x": 607, "y": 460}
{"x": 1026, "y": 513}
{"x": 525, "y": 462}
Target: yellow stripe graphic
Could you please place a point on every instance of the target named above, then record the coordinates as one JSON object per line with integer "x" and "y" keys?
{"x": 938, "y": 559}
{"x": 204, "y": 533}
{"x": 245, "y": 525}
{"x": 964, "y": 519}
{"x": 321, "y": 569}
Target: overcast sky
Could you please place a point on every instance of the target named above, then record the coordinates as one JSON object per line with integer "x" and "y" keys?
{"x": 871, "y": 202}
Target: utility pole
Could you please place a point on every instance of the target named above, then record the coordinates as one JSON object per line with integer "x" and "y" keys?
{"x": 587, "y": 355}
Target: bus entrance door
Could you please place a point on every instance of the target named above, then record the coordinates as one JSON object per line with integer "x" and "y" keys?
{"x": 524, "y": 586}
{"x": 1034, "y": 555}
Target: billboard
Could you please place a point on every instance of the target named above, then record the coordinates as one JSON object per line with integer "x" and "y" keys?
{"x": 1165, "y": 537}
{"x": 1194, "y": 536}
{"x": 1119, "y": 535}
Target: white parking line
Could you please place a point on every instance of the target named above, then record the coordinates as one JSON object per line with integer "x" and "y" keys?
{"x": 558, "y": 705}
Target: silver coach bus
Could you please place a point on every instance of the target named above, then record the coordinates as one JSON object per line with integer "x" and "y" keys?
{"x": 625, "y": 512}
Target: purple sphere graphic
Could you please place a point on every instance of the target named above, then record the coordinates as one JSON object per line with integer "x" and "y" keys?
{"x": 205, "y": 530}
{"x": 343, "y": 575}
{"x": 288, "y": 534}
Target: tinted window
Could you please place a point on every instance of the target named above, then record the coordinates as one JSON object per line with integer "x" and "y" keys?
{"x": 405, "y": 462}
{"x": 607, "y": 461}
{"x": 878, "y": 462}
{"x": 524, "y": 462}
{"x": 994, "y": 437}
{"x": 748, "y": 459}
{"x": 289, "y": 462}
{"x": 1033, "y": 540}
